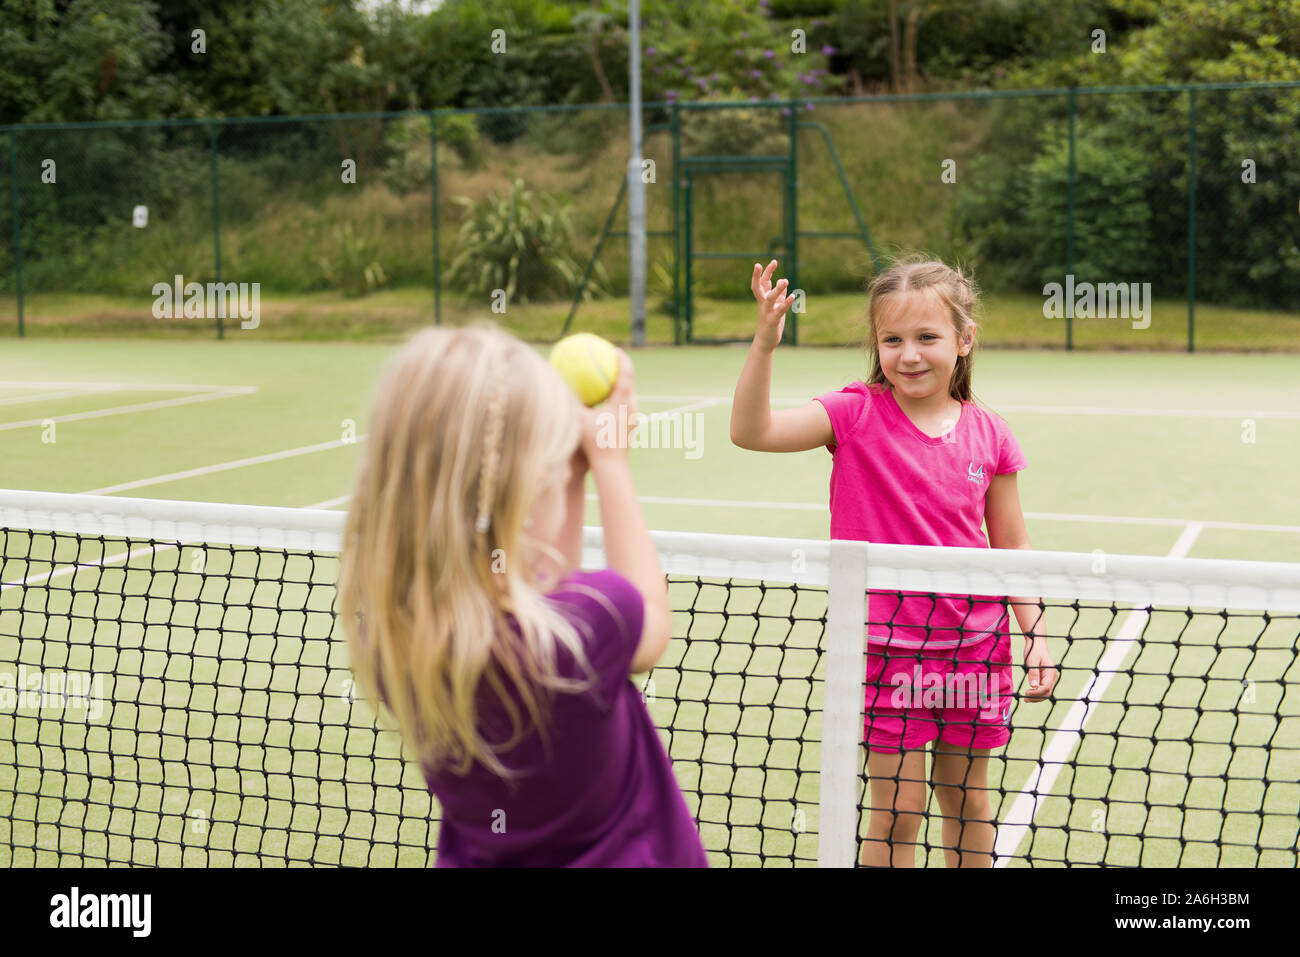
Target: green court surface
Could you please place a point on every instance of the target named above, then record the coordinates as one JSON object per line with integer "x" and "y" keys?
{"x": 241, "y": 736}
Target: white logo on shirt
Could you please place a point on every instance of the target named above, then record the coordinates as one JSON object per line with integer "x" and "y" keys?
{"x": 975, "y": 475}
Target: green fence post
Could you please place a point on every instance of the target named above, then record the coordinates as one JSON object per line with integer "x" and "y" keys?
{"x": 1191, "y": 219}
{"x": 676, "y": 124}
{"x": 792, "y": 218}
{"x": 216, "y": 216}
{"x": 433, "y": 179}
{"x": 687, "y": 256}
{"x": 1069, "y": 220}
{"x": 18, "y": 230}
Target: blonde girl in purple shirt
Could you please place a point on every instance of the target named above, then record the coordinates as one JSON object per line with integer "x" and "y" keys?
{"x": 916, "y": 462}
{"x": 504, "y": 666}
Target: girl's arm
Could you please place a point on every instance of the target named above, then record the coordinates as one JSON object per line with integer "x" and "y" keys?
{"x": 754, "y": 425}
{"x": 629, "y": 550}
{"x": 574, "y": 511}
{"x": 1006, "y": 527}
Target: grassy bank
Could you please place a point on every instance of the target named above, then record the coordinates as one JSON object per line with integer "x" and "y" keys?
{"x": 1008, "y": 321}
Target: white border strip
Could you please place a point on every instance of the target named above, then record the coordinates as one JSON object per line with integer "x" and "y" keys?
{"x": 297, "y": 529}
{"x": 1123, "y": 579}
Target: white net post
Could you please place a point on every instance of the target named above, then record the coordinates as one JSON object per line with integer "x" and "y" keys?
{"x": 842, "y": 706}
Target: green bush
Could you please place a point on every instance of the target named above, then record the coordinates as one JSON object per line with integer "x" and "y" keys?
{"x": 410, "y": 150}
{"x": 1012, "y": 222}
{"x": 1112, "y": 235}
{"x": 757, "y": 129}
{"x": 520, "y": 242}
{"x": 660, "y": 283}
{"x": 353, "y": 268}
{"x": 460, "y": 132}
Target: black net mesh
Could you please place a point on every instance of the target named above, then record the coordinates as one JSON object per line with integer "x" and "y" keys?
{"x": 192, "y": 705}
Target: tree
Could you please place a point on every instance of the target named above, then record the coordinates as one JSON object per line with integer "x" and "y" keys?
{"x": 82, "y": 60}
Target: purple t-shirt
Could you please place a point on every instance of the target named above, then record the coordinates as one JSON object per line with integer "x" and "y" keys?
{"x": 607, "y": 797}
{"x": 892, "y": 483}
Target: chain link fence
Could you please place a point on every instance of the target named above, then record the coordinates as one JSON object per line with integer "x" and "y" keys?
{"x": 1136, "y": 217}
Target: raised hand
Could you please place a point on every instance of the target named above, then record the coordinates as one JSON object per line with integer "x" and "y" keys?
{"x": 605, "y": 431}
{"x": 772, "y": 304}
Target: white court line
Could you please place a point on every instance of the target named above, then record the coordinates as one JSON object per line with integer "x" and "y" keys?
{"x": 1041, "y": 409}
{"x": 115, "y": 386}
{"x": 1037, "y": 516}
{"x": 51, "y": 396}
{"x": 222, "y": 467}
{"x": 703, "y": 404}
{"x": 331, "y": 502}
{"x": 42, "y": 578}
{"x": 1066, "y": 737}
{"x": 124, "y": 409}
{"x": 1040, "y": 516}
{"x": 1164, "y": 413}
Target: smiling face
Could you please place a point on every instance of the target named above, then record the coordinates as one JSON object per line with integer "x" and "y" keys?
{"x": 918, "y": 344}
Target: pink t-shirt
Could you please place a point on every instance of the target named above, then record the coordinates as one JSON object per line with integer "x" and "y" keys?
{"x": 892, "y": 483}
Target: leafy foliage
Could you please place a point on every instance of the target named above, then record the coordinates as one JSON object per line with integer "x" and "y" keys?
{"x": 353, "y": 268}
{"x": 520, "y": 242}
{"x": 1132, "y": 188}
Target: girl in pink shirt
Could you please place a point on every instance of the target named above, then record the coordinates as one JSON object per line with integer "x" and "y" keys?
{"x": 916, "y": 462}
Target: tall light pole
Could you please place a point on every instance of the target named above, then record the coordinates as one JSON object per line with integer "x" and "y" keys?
{"x": 635, "y": 185}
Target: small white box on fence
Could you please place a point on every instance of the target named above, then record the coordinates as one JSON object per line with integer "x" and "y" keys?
{"x": 140, "y": 217}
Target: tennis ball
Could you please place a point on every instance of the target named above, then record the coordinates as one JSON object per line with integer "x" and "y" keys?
{"x": 588, "y": 363}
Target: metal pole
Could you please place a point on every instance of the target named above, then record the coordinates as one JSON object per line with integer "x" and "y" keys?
{"x": 18, "y": 230}
{"x": 636, "y": 187}
{"x": 792, "y": 221}
{"x": 1191, "y": 220}
{"x": 1069, "y": 222}
{"x": 216, "y": 218}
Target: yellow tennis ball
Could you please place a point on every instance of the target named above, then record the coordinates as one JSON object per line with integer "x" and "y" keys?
{"x": 588, "y": 363}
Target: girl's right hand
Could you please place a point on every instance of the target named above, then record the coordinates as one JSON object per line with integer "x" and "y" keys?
{"x": 606, "y": 432}
{"x": 772, "y": 304}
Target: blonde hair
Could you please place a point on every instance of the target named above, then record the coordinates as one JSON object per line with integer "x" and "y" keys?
{"x": 433, "y": 592}
{"x": 955, "y": 290}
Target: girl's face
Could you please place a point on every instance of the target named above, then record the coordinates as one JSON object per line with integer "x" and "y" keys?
{"x": 918, "y": 345}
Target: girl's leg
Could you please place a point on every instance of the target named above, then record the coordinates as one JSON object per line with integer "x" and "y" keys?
{"x": 897, "y": 808}
{"x": 960, "y": 778}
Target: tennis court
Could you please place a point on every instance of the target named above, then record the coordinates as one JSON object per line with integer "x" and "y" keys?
{"x": 243, "y": 746}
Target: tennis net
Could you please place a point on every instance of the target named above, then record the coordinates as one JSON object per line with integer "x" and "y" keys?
{"x": 174, "y": 690}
